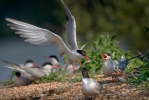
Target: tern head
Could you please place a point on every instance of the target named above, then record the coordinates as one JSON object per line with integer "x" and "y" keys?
{"x": 106, "y": 56}
{"x": 85, "y": 73}
{"x": 52, "y": 57}
{"x": 83, "y": 54}
{"x": 48, "y": 65}
{"x": 30, "y": 63}
{"x": 18, "y": 74}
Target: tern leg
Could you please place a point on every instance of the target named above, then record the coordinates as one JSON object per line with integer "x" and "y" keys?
{"x": 41, "y": 99}
{"x": 73, "y": 67}
{"x": 113, "y": 79}
{"x": 79, "y": 63}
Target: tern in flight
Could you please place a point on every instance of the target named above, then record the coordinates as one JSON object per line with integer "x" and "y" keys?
{"x": 41, "y": 36}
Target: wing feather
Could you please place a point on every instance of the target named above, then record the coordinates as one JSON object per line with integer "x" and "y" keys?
{"x": 71, "y": 28}
{"x": 36, "y": 35}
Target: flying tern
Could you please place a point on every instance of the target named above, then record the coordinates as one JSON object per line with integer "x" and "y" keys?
{"x": 41, "y": 36}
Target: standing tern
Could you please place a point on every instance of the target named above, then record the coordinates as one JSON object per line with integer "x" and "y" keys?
{"x": 32, "y": 73}
{"x": 89, "y": 86}
{"x": 110, "y": 65}
{"x": 55, "y": 61}
{"x": 41, "y": 36}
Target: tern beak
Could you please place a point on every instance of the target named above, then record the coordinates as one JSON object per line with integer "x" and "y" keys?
{"x": 104, "y": 56}
{"x": 35, "y": 64}
{"x": 46, "y": 58}
{"x": 18, "y": 78}
{"x": 55, "y": 66}
{"x": 86, "y": 58}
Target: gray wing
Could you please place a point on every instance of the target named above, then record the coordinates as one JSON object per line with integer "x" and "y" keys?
{"x": 36, "y": 35}
{"x": 71, "y": 28}
{"x": 35, "y": 72}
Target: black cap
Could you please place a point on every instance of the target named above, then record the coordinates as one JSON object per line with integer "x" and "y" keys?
{"x": 85, "y": 72}
{"x": 82, "y": 52}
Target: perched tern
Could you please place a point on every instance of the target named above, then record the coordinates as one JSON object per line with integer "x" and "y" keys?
{"x": 30, "y": 63}
{"x": 64, "y": 66}
{"x": 32, "y": 73}
{"x": 20, "y": 80}
{"x": 110, "y": 65}
{"x": 41, "y": 36}
{"x": 89, "y": 86}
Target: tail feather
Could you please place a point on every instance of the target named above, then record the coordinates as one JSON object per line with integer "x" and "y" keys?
{"x": 13, "y": 66}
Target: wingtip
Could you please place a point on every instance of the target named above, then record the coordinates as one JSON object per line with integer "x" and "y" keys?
{"x": 7, "y": 19}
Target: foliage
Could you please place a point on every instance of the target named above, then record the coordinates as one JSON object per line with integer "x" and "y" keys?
{"x": 61, "y": 76}
{"x": 141, "y": 81}
{"x": 106, "y": 43}
{"x": 93, "y": 18}
{"x": 10, "y": 80}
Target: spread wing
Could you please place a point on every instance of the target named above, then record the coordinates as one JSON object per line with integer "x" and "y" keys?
{"x": 36, "y": 35}
{"x": 71, "y": 28}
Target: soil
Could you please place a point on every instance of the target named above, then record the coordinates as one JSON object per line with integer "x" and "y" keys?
{"x": 72, "y": 91}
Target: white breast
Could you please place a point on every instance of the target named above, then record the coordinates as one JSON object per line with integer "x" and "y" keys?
{"x": 89, "y": 87}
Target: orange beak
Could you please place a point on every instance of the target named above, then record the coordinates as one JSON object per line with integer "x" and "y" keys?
{"x": 55, "y": 66}
{"x": 46, "y": 58}
{"x": 86, "y": 58}
{"x": 35, "y": 64}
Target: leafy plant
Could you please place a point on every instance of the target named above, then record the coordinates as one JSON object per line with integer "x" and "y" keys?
{"x": 10, "y": 80}
{"x": 106, "y": 43}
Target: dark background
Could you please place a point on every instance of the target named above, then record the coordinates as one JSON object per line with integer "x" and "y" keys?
{"x": 124, "y": 18}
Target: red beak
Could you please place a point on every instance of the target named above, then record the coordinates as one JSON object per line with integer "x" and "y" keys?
{"x": 35, "y": 64}
{"x": 47, "y": 58}
{"x": 55, "y": 66}
{"x": 18, "y": 78}
{"x": 104, "y": 56}
{"x": 86, "y": 58}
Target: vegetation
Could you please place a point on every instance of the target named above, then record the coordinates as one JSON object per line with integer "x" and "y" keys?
{"x": 10, "y": 80}
{"x": 106, "y": 43}
{"x": 126, "y": 18}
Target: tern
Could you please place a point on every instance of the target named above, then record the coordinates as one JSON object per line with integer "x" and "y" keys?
{"x": 20, "y": 80}
{"x": 64, "y": 66}
{"x": 32, "y": 73}
{"x": 110, "y": 65}
{"x": 89, "y": 86}
{"x": 41, "y": 36}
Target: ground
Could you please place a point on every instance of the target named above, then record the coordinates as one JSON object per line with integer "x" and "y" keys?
{"x": 72, "y": 91}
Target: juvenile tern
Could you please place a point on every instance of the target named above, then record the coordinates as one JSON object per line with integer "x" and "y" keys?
{"x": 41, "y": 36}
{"x": 89, "y": 86}
{"x": 32, "y": 73}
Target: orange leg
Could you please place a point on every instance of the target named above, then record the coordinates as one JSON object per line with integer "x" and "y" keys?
{"x": 79, "y": 63}
{"x": 41, "y": 99}
{"x": 73, "y": 67}
{"x": 113, "y": 79}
